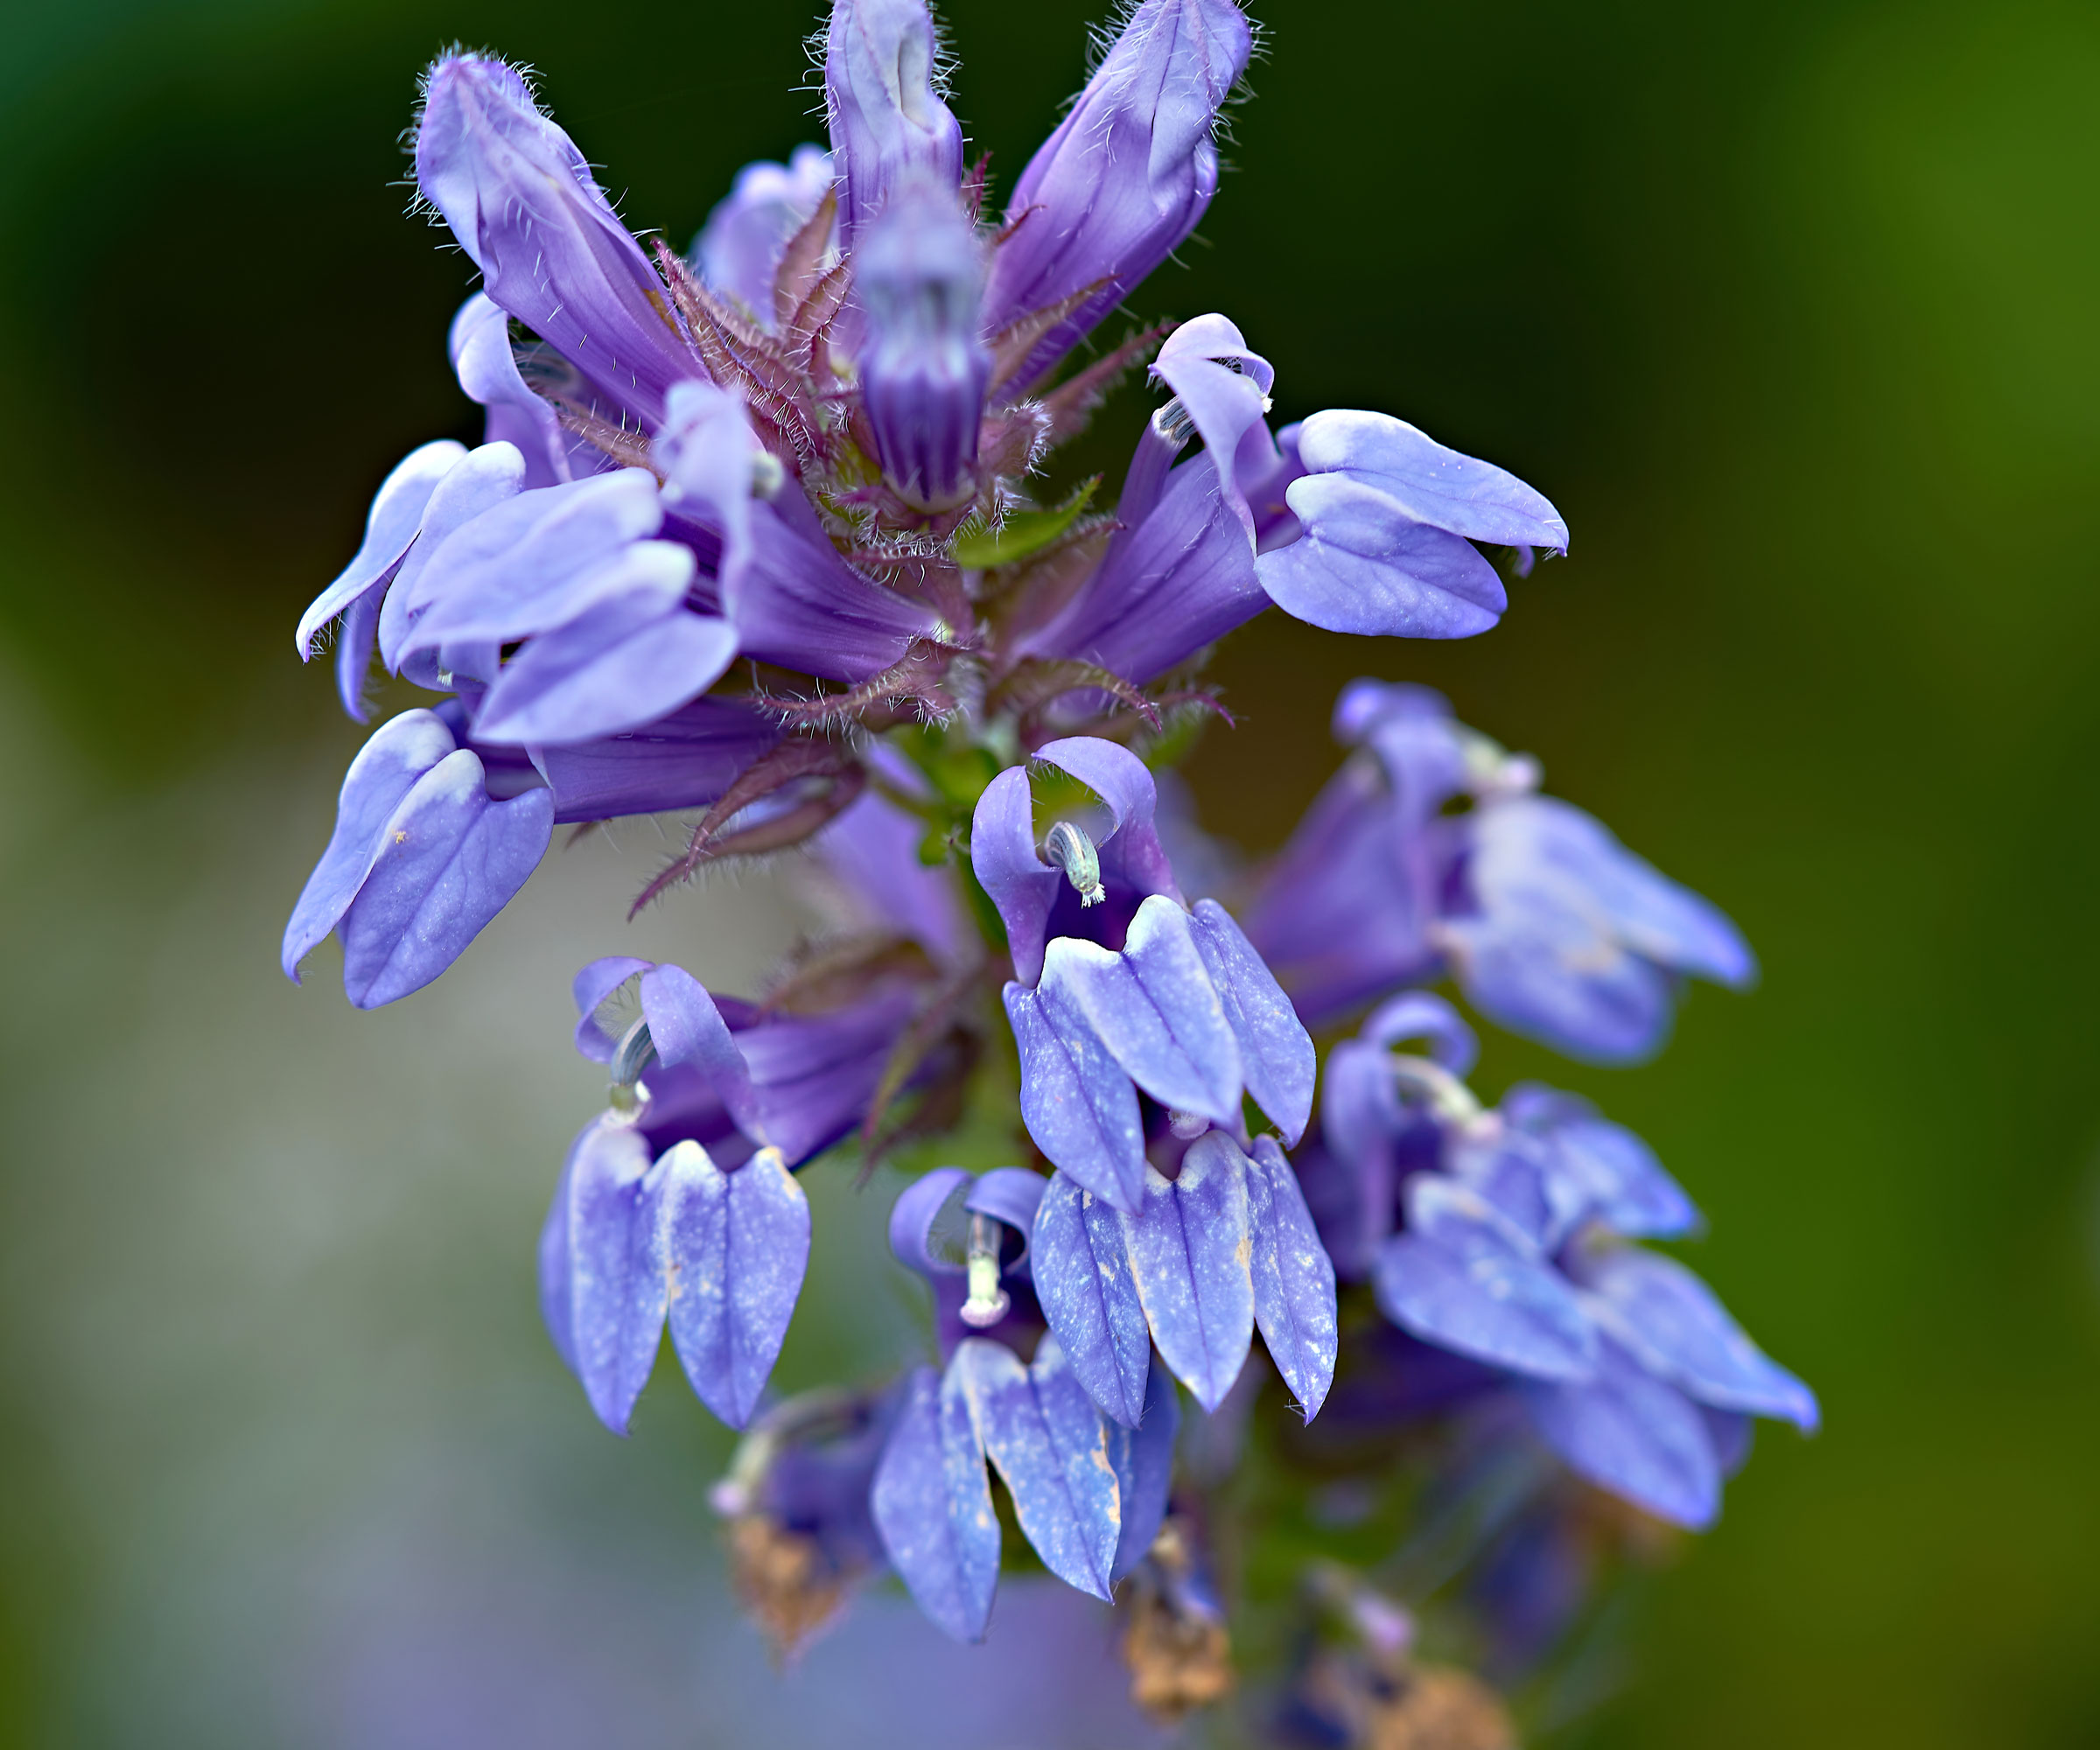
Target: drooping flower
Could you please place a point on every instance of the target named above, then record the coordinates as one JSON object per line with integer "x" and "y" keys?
{"x": 1506, "y": 1237}
{"x": 1549, "y": 925}
{"x": 1089, "y": 1494}
{"x": 1140, "y": 993}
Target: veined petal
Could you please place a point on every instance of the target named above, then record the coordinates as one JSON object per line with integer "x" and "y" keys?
{"x": 1154, "y": 1008}
{"x": 729, "y": 1251}
{"x": 1430, "y": 483}
{"x": 1276, "y": 1051}
{"x": 1181, "y": 579}
{"x": 1190, "y": 1247}
{"x": 931, "y": 1505}
{"x": 1051, "y": 1449}
{"x": 802, "y": 606}
{"x": 1081, "y": 1271}
{"x": 1078, "y": 1107}
{"x": 449, "y": 859}
{"x": 594, "y": 1296}
{"x": 923, "y": 370}
{"x": 390, "y": 525}
{"x": 521, "y": 200}
{"x": 1363, "y": 565}
{"x": 1294, "y": 1301}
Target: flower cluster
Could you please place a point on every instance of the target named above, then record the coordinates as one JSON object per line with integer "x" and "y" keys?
{"x": 763, "y": 534}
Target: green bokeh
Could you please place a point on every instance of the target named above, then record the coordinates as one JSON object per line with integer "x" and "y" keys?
{"x": 1795, "y": 310}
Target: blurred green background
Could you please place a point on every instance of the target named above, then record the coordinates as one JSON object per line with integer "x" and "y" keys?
{"x": 1794, "y": 310}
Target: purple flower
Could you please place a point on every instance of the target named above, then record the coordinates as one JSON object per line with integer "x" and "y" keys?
{"x": 889, "y": 126}
{"x": 1356, "y": 522}
{"x": 1089, "y": 1493}
{"x": 422, "y": 857}
{"x": 1225, "y": 1244}
{"x": 1124, "y": 179}
{"x": 1550, "y": 926}
{"x": 738, "y": 250}
{"x": 1144, "y": 995}
{"x": 1509, "y": 1255}
{"x": 923, "y": 370}
{"x": 521, "y": 200}
{"x": 1387, "y": 518}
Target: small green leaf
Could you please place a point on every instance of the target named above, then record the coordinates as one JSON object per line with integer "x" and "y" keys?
{"x": 1023, "y": 533}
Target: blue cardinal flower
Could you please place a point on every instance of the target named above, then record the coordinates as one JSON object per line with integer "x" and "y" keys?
{"x": 1088, "y": 1493}
{"x": 1120, "y": 987}
{"x": 808, "y": 447}
{"x": 1505, "y": 1237}
{"x": 1549, "y": 924}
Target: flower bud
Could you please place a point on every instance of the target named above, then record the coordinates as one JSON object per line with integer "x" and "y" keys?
{"x": 521, "y": 199}
{"x": 1127, "y": 176}
{"x": 923, "y": 370}
{"x": 888, "y": 124}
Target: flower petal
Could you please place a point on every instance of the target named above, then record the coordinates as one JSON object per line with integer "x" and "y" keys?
{"x": 449, "y": 859}
{"x": 1224, "y": 386}
{"x": 1276, "y": 1051}
{"x": 1189, "y": 1248}
{"x": 686, "y": 1027}
{"x": 488, "y": 369}
{"x": 1080, "y": 1267}
{"x": 1430, "y": 483}
{"x": 589, "y": 1274}
{"x": 889, "y": 126}
{"x": 386, "y": 767}
{"x": 1677, "y": 1329}
{"x": 390, "y": 525}
{"x": 1466, "y": 1278}
{"x": 1154, "y": 1008}
{"x": 1632, "y": 1434}
{"x": 617, "y": 667}
{"x": 1051, "y": 1447}
{"x": 1363, "y": 565}
{"x": 487, "y": 476}
{"x": 1145, "y": 1462}
{"x": 522, "y": 201}
{"x": 730, "y": 1250}
{"x": 1126, "y": 177}
{"x": 932, "y": 1504}
{"x": 1293, "y": 1278}
{"x": 1078, "y": 1107}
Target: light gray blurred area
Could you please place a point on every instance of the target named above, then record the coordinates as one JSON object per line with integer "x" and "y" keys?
{"x": 302, "y": 1466}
